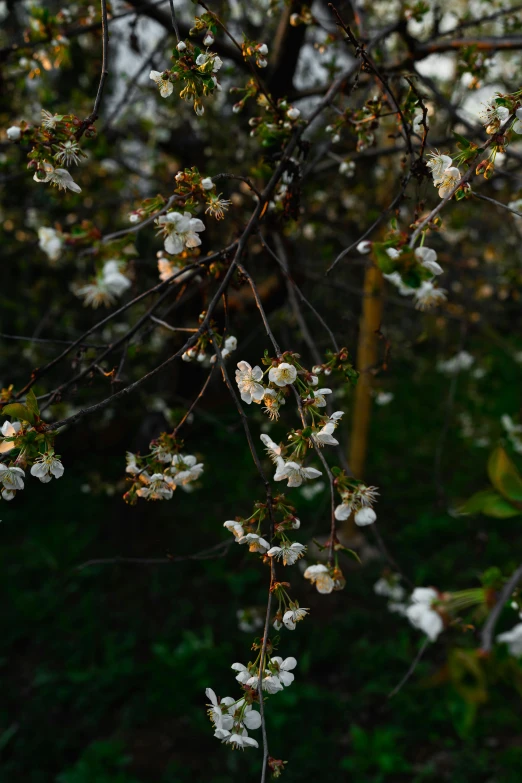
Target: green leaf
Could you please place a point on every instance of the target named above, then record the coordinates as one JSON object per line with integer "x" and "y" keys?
{"x": 32, "y": 403}
{"x": 18, "y": 411}
{"x": 463, "y": 140}
{"x": 352, "y": 553}
{"x": 504, "y": 475}
{"x": 491, "y": 504}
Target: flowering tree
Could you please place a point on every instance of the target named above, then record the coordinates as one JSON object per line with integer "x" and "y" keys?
{"x": 254, "y": 161}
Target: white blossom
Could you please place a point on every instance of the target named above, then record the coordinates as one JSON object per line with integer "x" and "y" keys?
{"x": 293, "y": 113}
{"x": 248, "y": 380}
{"x": 203, "y": 59}
{"x": 59, "y": 177}
{"x": 14, "y": 133}
{"x": 235, "y": 527}
{"x": 131, "y": 467}
{"x": 181, "y": 46}
{"x": 461, "y": 361}
{"x": 165, "y": 85}
{"x": 273, "y": 401}
{"x": 418, "y": 127}
{"x": 319, "y": 399}
{"x": 207, "y": 183}
{"x": 288, "y": 553}
{"x": 383, "y": 398}
{"x": 364, "y": 247}
{"x": 513, "y": 639}
{"x": 438, "y": 164}
{"x": 294, "y": 472}
{"x": 221, "y": 720}
{"x": 283, "y": 374}
{"x": 68, "y": 152}
{"x": 428, "y": 259}
{"x": 157, "y": 487}
{"x": 262, "y": 49}
{"x": 46, "y": 466}
{"x": 9, "y": 430}
{"x": 51, "y": 242}
{"x": 284, "y": 669}
{"x": 319, "y": 575}
{"x": 12, "y": 479}
{"x": 389, "y": 588}
{"x": 449, "y": 180}
{"x": 421, "y": 614}
{"x": 272, "y": 448}
{"x": 494, "y": 116}
{"x": 427, "y": 296}
{"x": 255, "y": 543}
{"x": 325, "y": 437}
{"x": 115, "y": 282}
{"x": 49, "y": 121}
{"x": 293, "y": 616}
{"x": 365, "y": 516}
{"x": 180, "y": 231}
{"x": 517, "y": 125}
{"x": 243, "y": 673}
{"x": 185, "y": 469}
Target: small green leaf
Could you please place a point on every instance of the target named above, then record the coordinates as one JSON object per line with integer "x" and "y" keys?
{"x": 351, "y": 552}
{"x": 491, "y": 504}
{"x": 32, "y": 403}
{"x": 504, "y": 475}
{"x": 462, "y": 139}
{"x": 18, "y": 411}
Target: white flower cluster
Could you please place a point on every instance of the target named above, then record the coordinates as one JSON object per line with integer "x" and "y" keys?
{"x": 109, "y": 284}
{"x": 45, "y": 467}
{"x": 234, "y": 718}
{"x": 182, "y": 470}
{"x": 358, "y": 501}
{"x": 494, "y": 117}
{"x": 445, "y": 175}
{"x": 422, "y": 612}
{"x": 461, "y": 361}
{"x": 180, "y": 231}
{"x": 427, "y": 294}
{"x": 231, "y": 718}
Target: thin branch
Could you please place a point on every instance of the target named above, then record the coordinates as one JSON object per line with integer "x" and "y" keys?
{"x": 497, "y": 204}
{"x": 50, "y": 341}
{"x": 486, "y": 637}
{"x": 198, "y": 398}
{"x": 304, "y": 300}
{"x": 174, "y": 19}
{"x": 93, "y": 116}
{"x": 206, "y": 554}
{"x": 411, "y": 670}
{"x": 384, "y": 214}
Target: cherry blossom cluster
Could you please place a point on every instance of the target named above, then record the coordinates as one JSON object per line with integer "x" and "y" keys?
{"x": 25, "y": 441}
{"x": 54, "y": 146}
{"x": 233, "y": 718}
{"x": 410, "y": 270}
{"x": 195, "y": 69}
{"x": 156, "y": 475}
{"x": 194, "y": 188}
